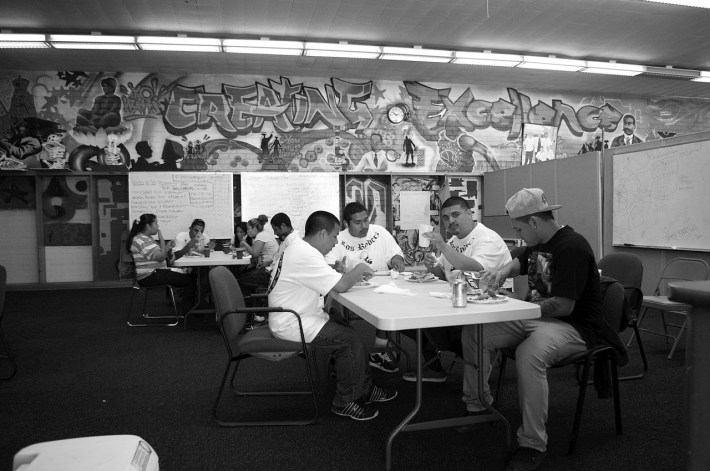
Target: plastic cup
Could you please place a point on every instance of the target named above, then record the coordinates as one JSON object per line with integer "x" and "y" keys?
{"x": 225, "y": 248}
{"x": 423, "y": 241}
{"x": 207, "y": 252}
{"x": 240, "y": 253}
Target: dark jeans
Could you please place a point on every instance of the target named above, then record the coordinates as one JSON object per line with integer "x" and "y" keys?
{"x": 438, "y": 339}
{"x": 253, "y": 280}
{"x": 352, "y": 369}
{"x": 185, "y": 281}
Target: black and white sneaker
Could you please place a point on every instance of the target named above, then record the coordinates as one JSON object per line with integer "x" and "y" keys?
{"x": 380, "y": 394}
{"x": 356, "y": 410}
{"x": 387, "y": 362}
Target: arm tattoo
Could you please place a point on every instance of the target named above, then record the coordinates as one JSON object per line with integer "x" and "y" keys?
{"x": 550, "y": 307}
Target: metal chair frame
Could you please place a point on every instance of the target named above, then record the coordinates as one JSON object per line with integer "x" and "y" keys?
{"x": 5, "y": 353}
{"x": 678, "y": 269}
{"x": 137, "y": 288}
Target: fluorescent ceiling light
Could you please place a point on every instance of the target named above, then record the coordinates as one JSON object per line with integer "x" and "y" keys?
{"x": 613, "y": 68}
{"x": 181, "y": 40}
{"x": 263, "y": 46}
{"x": 353, "y": 51}
{"x": 91, "y": 38}
{"x": 416, "y": 54}
{"x": 487, "y": 58}
{"x": 685, "y": 3}
{"x": 704, "y": 77}
{"x": 551, "y": 63}
{"x": 180, "y": 47}
{"x": 105, "y": 46}
{"x": 22, "y": 41}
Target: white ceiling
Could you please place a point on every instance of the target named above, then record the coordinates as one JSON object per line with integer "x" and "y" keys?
{"x": 633, "y": 31}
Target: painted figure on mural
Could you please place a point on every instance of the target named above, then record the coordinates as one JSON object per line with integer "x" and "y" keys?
{"x": 23, "y": 142}
{"x": 276, "y": 150}
{"x": 106, "y": 111}
{"x": 265, "y": 147}
{"x": 145, "y": 152}
{"x": 194, "y": 157}
{"x": 530, "y": 145}
{"x": 376, "y": 159}
{"x": 53, "y": 154}
{"x": 22, "y": 103}
{"x": 628, "y": 137}
{"x": 409, "y": 148}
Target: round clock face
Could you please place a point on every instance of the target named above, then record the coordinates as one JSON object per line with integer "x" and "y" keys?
{"x": 396, "y": 114}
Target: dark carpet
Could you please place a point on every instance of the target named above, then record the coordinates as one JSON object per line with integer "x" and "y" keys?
{"x": 83, "y": 372}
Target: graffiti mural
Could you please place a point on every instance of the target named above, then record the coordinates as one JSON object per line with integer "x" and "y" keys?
{"x": 235, "y": 123}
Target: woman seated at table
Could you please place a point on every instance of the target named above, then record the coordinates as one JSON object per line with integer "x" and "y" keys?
{"x": 150, "y": 257}
{"x": 262, "y": 252}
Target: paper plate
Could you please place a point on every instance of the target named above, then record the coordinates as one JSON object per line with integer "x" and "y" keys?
{"x": 428, "y": 279}
{"x": 498, "y": 299}
{"x": 364, "y": 285}
{"x": 382, "y": 273}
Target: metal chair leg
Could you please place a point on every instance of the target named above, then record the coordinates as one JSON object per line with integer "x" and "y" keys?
{"x": 145, "y": 315}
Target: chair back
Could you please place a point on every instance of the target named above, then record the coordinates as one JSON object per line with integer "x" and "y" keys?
{"x": 681, "y": 269}
{"x": 613, "y": 303}
{"x": 627, "y": 269}
{"x": 126, "y": 264}
{"x": 227, "y": 297}
{"x": 3, "y": 289}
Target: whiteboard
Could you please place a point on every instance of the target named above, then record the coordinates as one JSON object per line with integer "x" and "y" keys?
{"x": 295, "y": 194}
{"x": 179, "y": 197}
{"x": 661, "y": 197}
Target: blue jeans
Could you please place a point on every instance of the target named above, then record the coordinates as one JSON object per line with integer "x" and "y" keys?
{"x": 352, "y": 369}
{"x": 538, "y": 344}
{"x": 162, "y": 276}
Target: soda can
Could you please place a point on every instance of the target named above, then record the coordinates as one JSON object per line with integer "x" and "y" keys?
{"x": 459, "y": 293}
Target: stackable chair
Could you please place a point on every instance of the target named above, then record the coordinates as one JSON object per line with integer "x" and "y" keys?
{"x": 612, "y": 306}
{"x": 678, "y": 269}
{"x": 143, "y": 291}
{"x": 256, "y": 343}
{"x": 627, "y": 269}
{"x": 5, "y": 353}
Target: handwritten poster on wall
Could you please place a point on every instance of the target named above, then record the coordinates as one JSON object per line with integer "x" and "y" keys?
{"x": 179, "y": 197}
{"x": 295, "y": 194}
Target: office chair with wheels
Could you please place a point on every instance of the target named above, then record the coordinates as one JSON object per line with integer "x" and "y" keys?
{"x": 600, "y": 355}
{"x": 256, "y": 343}
{"x": 5, "y": 353}
{"x": 678, "y": 269}
{"x": 627, "y": 269}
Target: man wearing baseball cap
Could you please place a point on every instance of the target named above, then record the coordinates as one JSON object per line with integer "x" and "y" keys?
{"x": 563, "y": 279}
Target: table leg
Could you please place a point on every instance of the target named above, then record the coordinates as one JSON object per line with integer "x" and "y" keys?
{"x": 406, "y": 426}
{"x": 198, "y": 296}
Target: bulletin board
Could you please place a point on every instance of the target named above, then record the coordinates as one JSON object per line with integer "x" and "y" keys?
{"x": 179, "y": 197}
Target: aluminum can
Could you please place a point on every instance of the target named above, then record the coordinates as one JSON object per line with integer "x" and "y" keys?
{"x": 458, "y": 294}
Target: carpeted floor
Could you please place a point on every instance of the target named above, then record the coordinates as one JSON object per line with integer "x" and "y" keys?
{"x": 83, "y": 372}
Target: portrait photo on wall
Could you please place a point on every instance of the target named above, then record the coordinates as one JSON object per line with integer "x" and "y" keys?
{"x": 539, "y": 143}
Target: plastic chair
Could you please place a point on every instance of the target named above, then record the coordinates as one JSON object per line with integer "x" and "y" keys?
{"x": 5, "y": 353}
{"x": 678, "y": 269}
{"x": 256, "y": 343}
{"x": 601, "y": 354}
{"x": 627, "y": 269}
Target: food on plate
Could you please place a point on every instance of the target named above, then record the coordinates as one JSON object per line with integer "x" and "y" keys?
{"x": 363, "y": 283}
{"x": 422, "y": 276}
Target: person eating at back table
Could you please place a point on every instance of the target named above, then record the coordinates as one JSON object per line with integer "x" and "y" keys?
{"x": 472, "y": 247}
{"x": 372, "y": 244}
{"x": 262, "y": 251}
{"x": 193, "y": 240}
{"x": 563, "y": 279}
{"x": 300, "y": 283}
{"x": 150, "y": 258}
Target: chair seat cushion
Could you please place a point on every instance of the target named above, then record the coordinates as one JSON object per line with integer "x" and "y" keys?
{"x": 663, "y": 303}
{"x": 261, "y": 340}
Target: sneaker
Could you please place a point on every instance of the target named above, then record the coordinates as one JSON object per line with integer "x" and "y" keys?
{"x": 380, "y": 394}
{"x": 428, "y": 376}
{"x": 356, "y": 411}
{"x": 525, "y": 459}
{"x": 386, "y": 362}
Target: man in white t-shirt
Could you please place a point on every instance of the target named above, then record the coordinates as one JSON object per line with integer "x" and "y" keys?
{"x": 472, "y": 247}
{"x": 300, "y": 281}
{"x": 372, "y": 244}
{"x": 194, "y": 240}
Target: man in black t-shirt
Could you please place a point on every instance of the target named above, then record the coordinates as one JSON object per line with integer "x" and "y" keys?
{"x": 564, "y": 280}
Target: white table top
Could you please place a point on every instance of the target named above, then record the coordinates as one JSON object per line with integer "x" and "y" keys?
{"x": 215, "y": 258}
{"x": 397, "y": 312}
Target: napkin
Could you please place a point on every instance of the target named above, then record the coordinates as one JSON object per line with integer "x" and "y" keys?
{"x": 439, "y": 294}
{"x": 391, "y": 288}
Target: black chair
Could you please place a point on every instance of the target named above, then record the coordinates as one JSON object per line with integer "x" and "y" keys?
{"x": 678, "y": 269}
{"x": 5, "y": 353}
{"x": 627, "y": 269}
{"x": 600, "y": 355}
{"x": 256, "y": 343}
